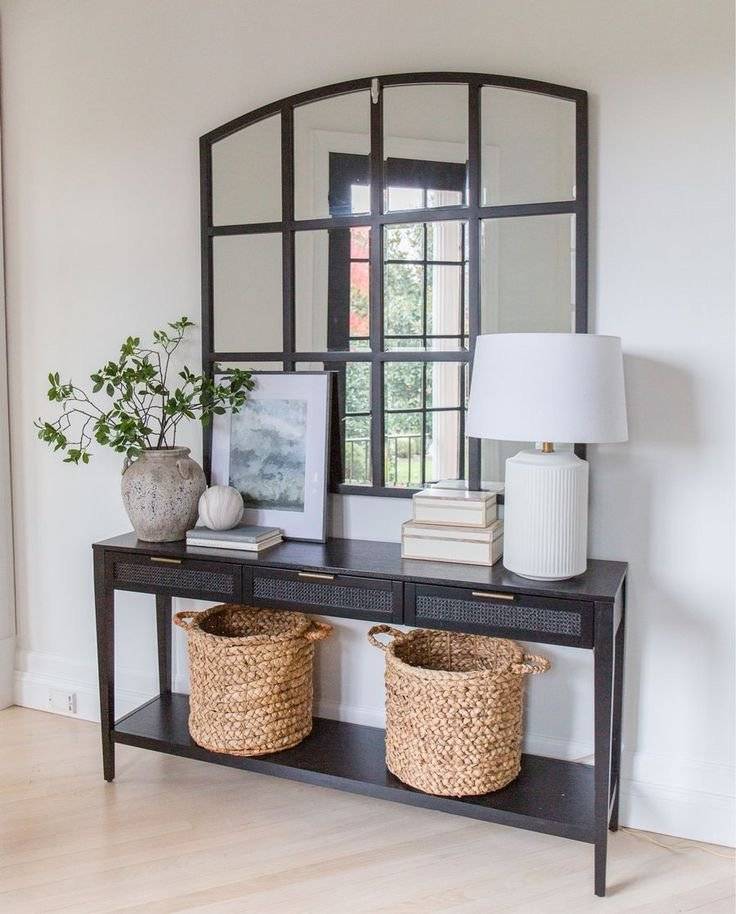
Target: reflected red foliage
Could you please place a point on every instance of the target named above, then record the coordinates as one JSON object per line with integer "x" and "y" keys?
{"x": 359, "y": 278}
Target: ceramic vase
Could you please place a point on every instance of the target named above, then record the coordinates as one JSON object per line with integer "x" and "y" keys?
{"x": 161, "y": 491}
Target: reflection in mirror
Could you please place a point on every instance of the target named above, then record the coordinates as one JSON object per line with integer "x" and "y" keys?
{"x": 494, "y": 454}
{"x": 246, "y": 175}
{"x": 423, "y": 422}
{"x": 247, "y": 294}
{"x": 332, "y": 290}
{"x": 354, "y": 386}
{"x": 528, "y": 147}
{"x": 354, "y": 402}
{"x": 425, "y": 286}
{"x": 528, "y": 274}
{"x": 425, "y": 145}
{"x": 332, "y": 144}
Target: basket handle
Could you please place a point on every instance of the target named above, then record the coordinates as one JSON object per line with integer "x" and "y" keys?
{"x": 181, "y": 617}
{"x": 318, "y": 630}
{"x": 531, "y": 663}
{"x": 382, "y": 630}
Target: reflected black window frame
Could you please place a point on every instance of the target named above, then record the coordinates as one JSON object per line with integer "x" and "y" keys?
{"x": 471, "y": 211}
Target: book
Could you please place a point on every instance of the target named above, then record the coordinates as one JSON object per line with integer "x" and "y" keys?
{"x": 240, "y": 545}
{"x": 243, "y": 533}
{"x": 466, "y": 545}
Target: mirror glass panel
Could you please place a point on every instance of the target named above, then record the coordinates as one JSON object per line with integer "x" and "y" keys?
{"x": 424, "y": 422}
{"x": 332, "y": 291}
{"x": 246, "y": 175}
{"x": 528, "y": 274}
{"x": 494, "y": 454}
{"x": 425, "y": 146}
{"x": 332, "y": 144}
{"x": 528, "y": 147}
{"x": 425, "y": 286}
{"x": 248, "y": 309}
{"x": 354, "y": 396}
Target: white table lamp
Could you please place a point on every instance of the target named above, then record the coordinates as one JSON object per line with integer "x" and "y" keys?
{"x": 547, "y": 387}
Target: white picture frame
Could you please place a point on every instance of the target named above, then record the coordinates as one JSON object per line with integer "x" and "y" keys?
{"x": 275, "y": 451}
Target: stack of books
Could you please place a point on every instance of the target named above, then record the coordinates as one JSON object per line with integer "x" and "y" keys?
{"x": 247, "y": 538}
{"x": 452, "y": 524}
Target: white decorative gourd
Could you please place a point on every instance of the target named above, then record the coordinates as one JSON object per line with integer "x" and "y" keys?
{"x": 221, "y": 507}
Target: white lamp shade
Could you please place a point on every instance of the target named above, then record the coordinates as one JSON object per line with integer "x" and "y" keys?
{"x": 566, "y": 387}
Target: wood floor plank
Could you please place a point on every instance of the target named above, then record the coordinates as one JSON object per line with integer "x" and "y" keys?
{"x": 174, "y": 835}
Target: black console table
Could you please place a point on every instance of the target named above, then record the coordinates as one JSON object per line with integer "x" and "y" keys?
{"x": 368, "y": 580}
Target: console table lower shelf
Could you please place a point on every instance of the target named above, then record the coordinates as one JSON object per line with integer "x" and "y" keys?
{"x": 550, "y": 795}
{"x": 371, "y": 582}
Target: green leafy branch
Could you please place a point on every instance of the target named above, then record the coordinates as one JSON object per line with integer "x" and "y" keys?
{"x": 145, "y": 411}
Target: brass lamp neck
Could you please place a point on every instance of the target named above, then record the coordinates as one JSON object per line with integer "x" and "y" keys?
{"x": 548, "y": 447}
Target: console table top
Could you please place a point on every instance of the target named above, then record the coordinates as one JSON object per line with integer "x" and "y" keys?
{"x": 601, "y": 581}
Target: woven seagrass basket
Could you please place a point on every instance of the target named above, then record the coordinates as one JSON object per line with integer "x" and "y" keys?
{"x": 454, "y": 709}
{"x": 251, "y": 677}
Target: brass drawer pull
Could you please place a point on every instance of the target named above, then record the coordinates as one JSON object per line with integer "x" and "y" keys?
{"x": 313, "y": 574}
{"x": 493, "y": 596}
{"x": 159, "y": 558}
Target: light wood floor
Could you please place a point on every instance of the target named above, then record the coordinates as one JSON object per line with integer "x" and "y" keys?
{"x": 176, "y": 835}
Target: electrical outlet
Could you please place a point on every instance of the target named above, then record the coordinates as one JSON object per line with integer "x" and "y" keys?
{"x": 63, "y": 701}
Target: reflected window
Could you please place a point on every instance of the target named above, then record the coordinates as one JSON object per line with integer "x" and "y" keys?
{"x": 425, "y": 286}
{"x": 423, "y": 422}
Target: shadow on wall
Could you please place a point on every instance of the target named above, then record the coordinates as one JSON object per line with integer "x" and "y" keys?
{"x": 664, "y": 428}
{"x": 661, "y": 404}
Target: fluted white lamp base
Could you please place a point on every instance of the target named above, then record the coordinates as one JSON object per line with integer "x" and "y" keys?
{"x": 546, "y": 515}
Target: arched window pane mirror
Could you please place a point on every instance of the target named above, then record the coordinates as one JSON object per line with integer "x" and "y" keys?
{"x": 375, "y": 228}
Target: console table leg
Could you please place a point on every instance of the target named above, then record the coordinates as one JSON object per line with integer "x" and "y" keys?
{"x": 603, "y": 661}
{"x": 618, "y": 688}
{"x": 163, "y": 633}
{"x": 105, "y": 620}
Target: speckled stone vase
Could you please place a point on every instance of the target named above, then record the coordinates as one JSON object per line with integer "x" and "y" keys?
{"x": 161, "y": 491}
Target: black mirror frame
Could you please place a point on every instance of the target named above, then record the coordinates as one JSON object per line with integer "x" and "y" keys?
{"x": 473, "y": 212}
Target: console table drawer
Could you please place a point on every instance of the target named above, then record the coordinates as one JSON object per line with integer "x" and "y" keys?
{"x": 505, "y": 615}
{"x": 178, "y": 577}
{"x": 330, "y": 594}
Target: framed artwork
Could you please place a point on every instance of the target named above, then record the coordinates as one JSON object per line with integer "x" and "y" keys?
{"x": 275, "y": 452}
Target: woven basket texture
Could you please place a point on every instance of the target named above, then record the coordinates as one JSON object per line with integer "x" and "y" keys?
{"x": 251, "y": 677}
{"x": 454, "y": 709}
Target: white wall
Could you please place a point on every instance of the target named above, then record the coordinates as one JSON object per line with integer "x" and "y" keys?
{"x": 103, "y": 101}
{"x": 7, "y": 596}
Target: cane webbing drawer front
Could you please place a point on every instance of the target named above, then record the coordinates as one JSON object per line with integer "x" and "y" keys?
{"x": 336, "y": 595}
{"x": 504, "y": 614}
{"x": 153, "y": 574}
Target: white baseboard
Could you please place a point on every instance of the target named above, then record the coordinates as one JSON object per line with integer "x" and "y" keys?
{"x": 658, "y": 793}
{"x": 37, "y": 673}
{"x": 683, "y": 813}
